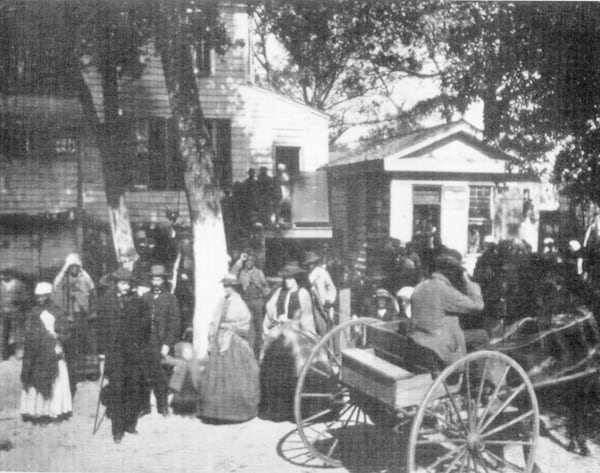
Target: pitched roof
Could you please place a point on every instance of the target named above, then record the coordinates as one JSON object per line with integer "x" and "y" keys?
{"x": 415, "y": 139}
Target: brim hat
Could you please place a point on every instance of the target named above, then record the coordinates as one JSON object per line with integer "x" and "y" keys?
{"x": 122, "y": 274}
{"x": 230, "y": 280}
{"x": 383, "y": 293}
{"x": 158, "y": 270}
{"x": 291, "y": 270}
{"x": 43, "y": 289}
{"x": 311, "y": 258}
{"x": 449, "y": 257}
{"x": 406, "y": 292}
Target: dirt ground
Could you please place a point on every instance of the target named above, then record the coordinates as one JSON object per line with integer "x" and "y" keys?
{"x": 182, "y": 444}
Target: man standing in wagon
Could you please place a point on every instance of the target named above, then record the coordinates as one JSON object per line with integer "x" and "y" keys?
{"x": 436, "y": 304}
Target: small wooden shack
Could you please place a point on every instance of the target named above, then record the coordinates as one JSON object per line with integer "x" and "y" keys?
{"x": 441, "y": 183}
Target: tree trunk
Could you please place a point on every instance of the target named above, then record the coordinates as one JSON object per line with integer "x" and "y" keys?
{"x": 108, "y": 136}
{"x": 203, "y": 195}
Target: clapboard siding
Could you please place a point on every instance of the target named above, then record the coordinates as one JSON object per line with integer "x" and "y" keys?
{"x": 37, "y": 185}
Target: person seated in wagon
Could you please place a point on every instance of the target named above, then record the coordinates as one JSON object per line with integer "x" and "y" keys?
{"x": 436, "y": 305}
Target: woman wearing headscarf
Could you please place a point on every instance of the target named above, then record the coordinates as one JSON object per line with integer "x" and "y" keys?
{"x": 76, "y": 296}
{"x": 289, "y": 336}
{"x": 46, "y": 394}
{"x": 229, "y": 388}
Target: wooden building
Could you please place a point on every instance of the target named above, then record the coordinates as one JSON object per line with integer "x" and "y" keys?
{"x": 51, "y": 187}
{"x": 443, "y": 182}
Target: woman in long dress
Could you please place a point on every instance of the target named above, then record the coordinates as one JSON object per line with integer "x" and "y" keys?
{"x": 289, "y": 336}
{"x": 229, "y": 389}
{"x": 46, "y": 394}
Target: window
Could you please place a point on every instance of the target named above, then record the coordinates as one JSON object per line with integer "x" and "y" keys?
{"x": 480, "y": 202}
{"x": 220, "y": 135}
{"x": 480, "y": 211}
{"x": 158, "y": 165}
{"x": 202, "y": 59}
{"x": 290, "y": 157}
{"x": 22, "y": 141}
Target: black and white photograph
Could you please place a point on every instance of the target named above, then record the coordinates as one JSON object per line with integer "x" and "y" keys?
{"x": 299, "y": 236}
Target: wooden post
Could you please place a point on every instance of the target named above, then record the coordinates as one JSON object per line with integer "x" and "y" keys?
{"x": 344, "y": 309}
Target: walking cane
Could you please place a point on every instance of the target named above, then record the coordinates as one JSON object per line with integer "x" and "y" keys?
{"x": 97, "y": 422}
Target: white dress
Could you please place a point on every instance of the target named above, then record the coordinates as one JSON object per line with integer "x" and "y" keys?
{"x": 59, "y": 404}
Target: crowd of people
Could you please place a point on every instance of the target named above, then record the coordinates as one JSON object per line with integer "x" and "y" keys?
{"x": 259, "y": 338}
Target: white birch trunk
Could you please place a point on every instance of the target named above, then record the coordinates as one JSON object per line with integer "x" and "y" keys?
{"x": 122, "y": 235}
{"x": 210, "y": 257}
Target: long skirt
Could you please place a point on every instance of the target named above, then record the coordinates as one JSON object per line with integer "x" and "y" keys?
{"x": 282, "y": 361}
{"x": 229, "y": 387}
{"x": 56, "y": 407}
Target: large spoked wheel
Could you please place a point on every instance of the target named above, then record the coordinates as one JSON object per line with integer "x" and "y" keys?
{"x": 327, "y": 413}
{"x": 480, "y": 415}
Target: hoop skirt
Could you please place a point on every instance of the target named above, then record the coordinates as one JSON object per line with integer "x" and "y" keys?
{"x": 229, "y": 389}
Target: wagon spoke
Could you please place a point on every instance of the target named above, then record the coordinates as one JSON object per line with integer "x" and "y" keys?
{"x": 317, "y": 415}
{"x": 441, "y": 419}
{"x": 455, "y": 461}
{"x": 332, "y": 448}
{"x": 347, "y": 421}
{"x": 504, "y": 405}
{"x": 471, "y": 461}
{"x": 458, "y": 450}
{"x": 505, "y": 462}
{"x": 320, "y": 372}
{"x": 493, "y": 396}
{"x": 481, "y": 461}
{"x": 318, "y": 395}
{"x": 438, "y": 442}
{"x": 514, "y": 421}
{"x": 508, "y": 442}
{"x": 455, "y": 407}
{"x": 468, "y": 385}
{"x": 462, "y": 463}
{"x": 481, "y": 383}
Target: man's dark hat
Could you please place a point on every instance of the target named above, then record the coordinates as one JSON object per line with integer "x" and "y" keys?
{"x": 122, "y": 274}
{"x": 449, "y": 257}
{"x": 291, "y": 269}
{"x": 159, "y": 270}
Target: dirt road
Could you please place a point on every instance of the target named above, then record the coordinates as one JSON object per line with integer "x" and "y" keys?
{"x": 185, "y": 444}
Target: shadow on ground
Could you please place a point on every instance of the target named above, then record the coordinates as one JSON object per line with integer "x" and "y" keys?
{"x": 371, "y": 450}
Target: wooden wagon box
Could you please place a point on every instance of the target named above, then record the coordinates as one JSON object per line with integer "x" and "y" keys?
{"x": 378, "y": 378}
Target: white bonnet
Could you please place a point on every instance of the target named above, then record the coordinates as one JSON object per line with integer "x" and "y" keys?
{"x": 72, "y": 259}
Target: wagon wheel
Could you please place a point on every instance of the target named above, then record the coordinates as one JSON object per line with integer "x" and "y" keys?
{"x": 480, "y": 415}
{"x": 326, "y": 411}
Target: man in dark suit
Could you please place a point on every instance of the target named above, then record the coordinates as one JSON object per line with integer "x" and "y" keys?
{"x": 166, "y": 328}
{"x": 126, "y": 323}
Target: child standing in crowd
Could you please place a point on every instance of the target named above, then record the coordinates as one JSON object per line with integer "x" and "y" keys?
{"x": 46, "y": 394}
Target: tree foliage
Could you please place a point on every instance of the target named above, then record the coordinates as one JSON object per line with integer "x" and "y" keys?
{"x": 536, "y": 67}
{"x": 345, "y": 55}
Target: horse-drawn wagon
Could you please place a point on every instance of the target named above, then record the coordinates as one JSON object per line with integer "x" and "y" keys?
{"x": 480, "y": 414}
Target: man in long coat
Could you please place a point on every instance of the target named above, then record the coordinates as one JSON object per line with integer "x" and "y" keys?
{"x": 127, "y": 328}
{"x": 166, "y": 328}
{"x": 436, "y": 304}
